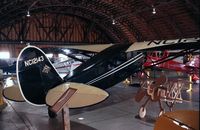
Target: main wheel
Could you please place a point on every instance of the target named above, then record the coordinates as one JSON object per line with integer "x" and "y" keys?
{"x": 51, "y": 114}
{"x": 142, "y": 112}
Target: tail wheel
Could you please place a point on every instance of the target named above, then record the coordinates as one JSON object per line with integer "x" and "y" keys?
{"x": 161, "y": 112}
{"x": 142, "y": 112}
{"x": 51, "y": 114}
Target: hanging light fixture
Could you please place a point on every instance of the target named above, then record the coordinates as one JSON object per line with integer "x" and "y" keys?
{"x": 29, "y": 8}
{"x": 113, "y": 22}
{"x": 28, "y": 14}
{"x": 154, "y": 10}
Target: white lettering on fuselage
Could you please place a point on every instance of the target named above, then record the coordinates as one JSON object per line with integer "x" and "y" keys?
{"x": 185, "y": 40}
{"x": 33, "y": 61}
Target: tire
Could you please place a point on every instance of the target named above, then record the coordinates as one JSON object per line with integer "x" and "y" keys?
{"x": 142, "y": 112}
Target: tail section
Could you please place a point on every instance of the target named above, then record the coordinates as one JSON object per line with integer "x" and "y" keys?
{"x": 36, "y": 75}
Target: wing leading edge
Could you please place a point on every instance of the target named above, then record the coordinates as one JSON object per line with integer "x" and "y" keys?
{"x": 189, "y": 43}
{"x": 92, "y": 48}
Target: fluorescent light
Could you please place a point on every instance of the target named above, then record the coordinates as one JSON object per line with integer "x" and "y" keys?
{"x": 4, "y": 55}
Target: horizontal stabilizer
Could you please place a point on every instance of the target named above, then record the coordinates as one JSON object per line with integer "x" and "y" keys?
{"x": 91, "y": 48}
{"x": 13, "y": 93}
{"x": 85, "y": 95}
{"x": 185, "y": 43}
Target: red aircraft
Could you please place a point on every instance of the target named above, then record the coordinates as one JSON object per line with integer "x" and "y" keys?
{"x": 190, "y": 67}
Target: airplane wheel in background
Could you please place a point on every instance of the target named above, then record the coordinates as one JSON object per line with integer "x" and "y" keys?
{"x": 142, "y": 112}
{"x": 161, "y": 112}
{"x": 51, "y": 114}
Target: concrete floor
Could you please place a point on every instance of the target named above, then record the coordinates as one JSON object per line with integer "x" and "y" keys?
{"x": 118, "y": 112}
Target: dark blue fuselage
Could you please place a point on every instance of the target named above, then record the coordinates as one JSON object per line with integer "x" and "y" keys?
{"x": 107, "y": 68}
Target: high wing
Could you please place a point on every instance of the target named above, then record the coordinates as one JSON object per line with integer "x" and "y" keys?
{"x": 92, "y": 48}
{"x": 172, "y": 44}
{"x": 185, "y": 43}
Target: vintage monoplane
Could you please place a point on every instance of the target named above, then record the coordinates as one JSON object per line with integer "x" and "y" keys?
{"x": 40, "y": 83}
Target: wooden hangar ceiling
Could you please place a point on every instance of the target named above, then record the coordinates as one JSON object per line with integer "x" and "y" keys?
{"x": 96, "y": 21}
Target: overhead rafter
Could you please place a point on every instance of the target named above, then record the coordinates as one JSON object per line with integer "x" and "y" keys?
{"x": 134, "y": 20}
